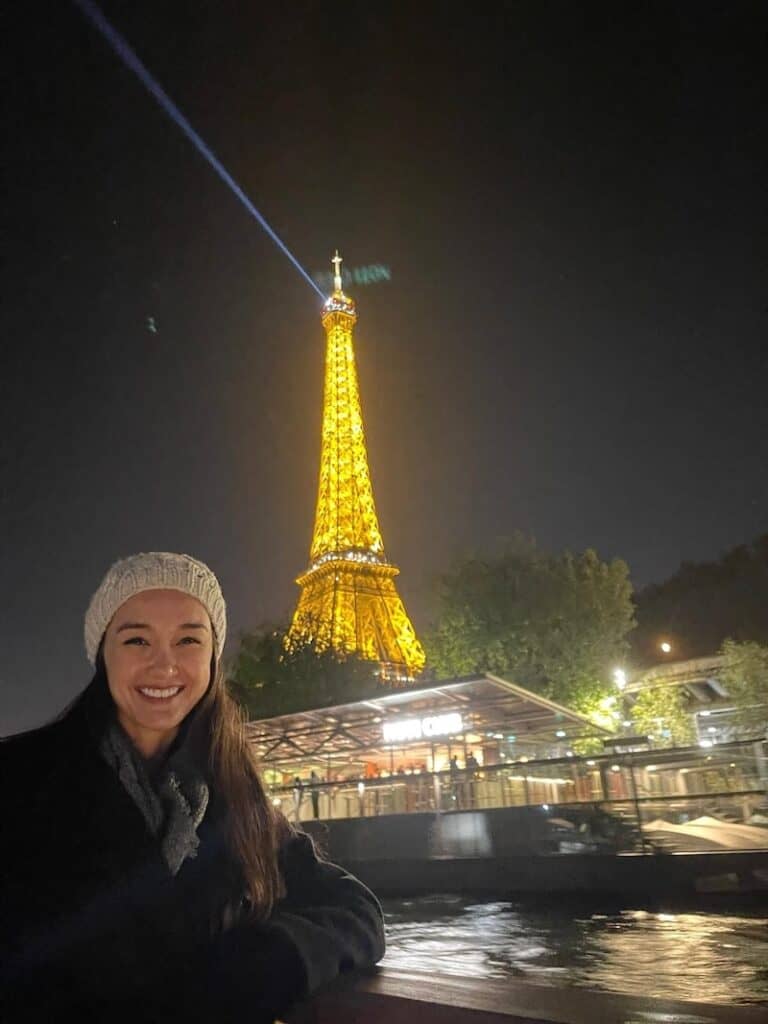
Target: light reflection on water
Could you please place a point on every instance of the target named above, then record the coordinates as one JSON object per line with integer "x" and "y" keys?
{"x": 715, "y": 958}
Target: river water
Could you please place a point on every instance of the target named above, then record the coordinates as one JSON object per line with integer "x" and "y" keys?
{"x": 706, "y": 957}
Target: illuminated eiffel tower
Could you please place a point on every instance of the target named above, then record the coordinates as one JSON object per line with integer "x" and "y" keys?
{"x": 348, "y": 599}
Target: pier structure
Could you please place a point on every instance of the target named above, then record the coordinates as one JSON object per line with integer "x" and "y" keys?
{"x": 482, "y": 768}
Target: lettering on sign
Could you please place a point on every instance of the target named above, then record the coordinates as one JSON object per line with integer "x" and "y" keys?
{"x": 418, "y": 728}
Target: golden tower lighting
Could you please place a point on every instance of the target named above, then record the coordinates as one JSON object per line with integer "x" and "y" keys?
{"x": 348, "y": 599}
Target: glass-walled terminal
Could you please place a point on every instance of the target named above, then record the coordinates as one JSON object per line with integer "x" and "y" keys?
{"x": 483, "y": 743}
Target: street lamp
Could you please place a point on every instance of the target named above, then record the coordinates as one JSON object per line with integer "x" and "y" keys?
{"x": 620, "y": 678}
{"x": 665, "y": 646}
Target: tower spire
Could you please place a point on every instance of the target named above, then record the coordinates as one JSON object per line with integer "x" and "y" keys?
{"x": 337, "y": 261}
{"x": 348, "y": 599}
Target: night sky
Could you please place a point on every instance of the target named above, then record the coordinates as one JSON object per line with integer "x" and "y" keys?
{"x": 571, "y": 200}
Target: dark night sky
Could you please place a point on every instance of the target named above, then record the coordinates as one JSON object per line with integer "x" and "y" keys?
{"x": 572, "y": 204}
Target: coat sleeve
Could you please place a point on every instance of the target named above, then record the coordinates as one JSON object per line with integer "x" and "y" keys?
{"x": 328, "y": 922}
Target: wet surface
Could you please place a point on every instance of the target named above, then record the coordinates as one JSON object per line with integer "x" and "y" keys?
{"x": 707, "y": 957}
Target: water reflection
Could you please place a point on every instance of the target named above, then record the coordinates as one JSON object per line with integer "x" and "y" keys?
{"x": 706, "y": 957}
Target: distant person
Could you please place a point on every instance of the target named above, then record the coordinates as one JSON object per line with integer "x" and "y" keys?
{"x": 314, "y": 792}
{"x": 144, "y": 874}
{"x": 298, "y": 797}
{"x": 472, "y": 766}
{"x": 457, "y": 784}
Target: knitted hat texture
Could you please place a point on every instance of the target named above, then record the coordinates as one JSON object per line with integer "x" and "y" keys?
{"x": 154, "y": 570}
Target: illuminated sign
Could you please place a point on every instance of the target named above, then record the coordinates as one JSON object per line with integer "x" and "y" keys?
{"x": 418, "y": 728}
{"x": 372, "y": 274}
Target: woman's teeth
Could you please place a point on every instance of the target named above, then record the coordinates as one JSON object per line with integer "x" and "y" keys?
{"x": 169, "y": 691}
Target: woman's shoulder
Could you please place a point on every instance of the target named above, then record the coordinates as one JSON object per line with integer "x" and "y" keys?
{"x": 25, "y": 755}
{"x": 29, "y": 744}
{"x": 306, "y": 870}
{"x": 295, "y": 844}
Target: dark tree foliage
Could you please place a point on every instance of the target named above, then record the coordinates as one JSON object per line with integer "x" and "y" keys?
{"x": 556, "y": 624}
{"x": 705, "y": 603}
{"x": 745, "y": 674}
{"x": 269, "y": 680}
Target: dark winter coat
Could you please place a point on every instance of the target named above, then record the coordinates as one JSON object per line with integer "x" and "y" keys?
{"x": 93, "y": 924}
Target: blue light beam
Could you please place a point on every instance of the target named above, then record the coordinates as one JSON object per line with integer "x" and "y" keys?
{"x": 129, "y": 58}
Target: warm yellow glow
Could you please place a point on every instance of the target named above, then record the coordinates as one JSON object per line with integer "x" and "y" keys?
{"x": 348, "y": 599}
{"x": 345, "y": 518}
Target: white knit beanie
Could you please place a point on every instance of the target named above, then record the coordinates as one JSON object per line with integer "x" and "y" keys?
{"x": 154, "y": 570}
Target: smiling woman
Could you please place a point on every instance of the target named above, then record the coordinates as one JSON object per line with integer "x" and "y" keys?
{"x": 157, "y": 653}
{"x": 144, "y": 874}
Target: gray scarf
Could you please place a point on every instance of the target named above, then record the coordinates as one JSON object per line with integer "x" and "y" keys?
{"x": 173, "y": 807}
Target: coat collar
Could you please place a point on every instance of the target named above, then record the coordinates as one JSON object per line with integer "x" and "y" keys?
{"x": 103, "y": 822}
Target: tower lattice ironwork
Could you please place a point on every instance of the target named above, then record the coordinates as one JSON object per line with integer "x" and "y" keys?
{"x": 348, "y": 599}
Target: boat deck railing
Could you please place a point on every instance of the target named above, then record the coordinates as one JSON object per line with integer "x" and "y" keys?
{"x": 388, "y": 996}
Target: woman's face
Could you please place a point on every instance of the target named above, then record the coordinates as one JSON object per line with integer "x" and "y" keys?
{"x": 157, "y": 651}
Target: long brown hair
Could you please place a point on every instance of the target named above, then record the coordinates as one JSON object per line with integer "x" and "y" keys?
{"x": 214, "y": 736}
{"x": 254, "y": 828}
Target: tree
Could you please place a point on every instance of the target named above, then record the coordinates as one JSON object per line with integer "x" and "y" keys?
{"x": 555, "y": 624}
{"x": 269, "y": 680}
{"x": 662, "y": 712}
{"x": 745, "y": 675}
{"x": 704, "y": 603}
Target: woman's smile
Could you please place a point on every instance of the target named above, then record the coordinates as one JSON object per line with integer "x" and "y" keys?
{"x": 156, "y": 693}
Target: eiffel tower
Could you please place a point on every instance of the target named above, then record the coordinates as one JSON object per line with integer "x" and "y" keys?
{"x": 348, "y": 599}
